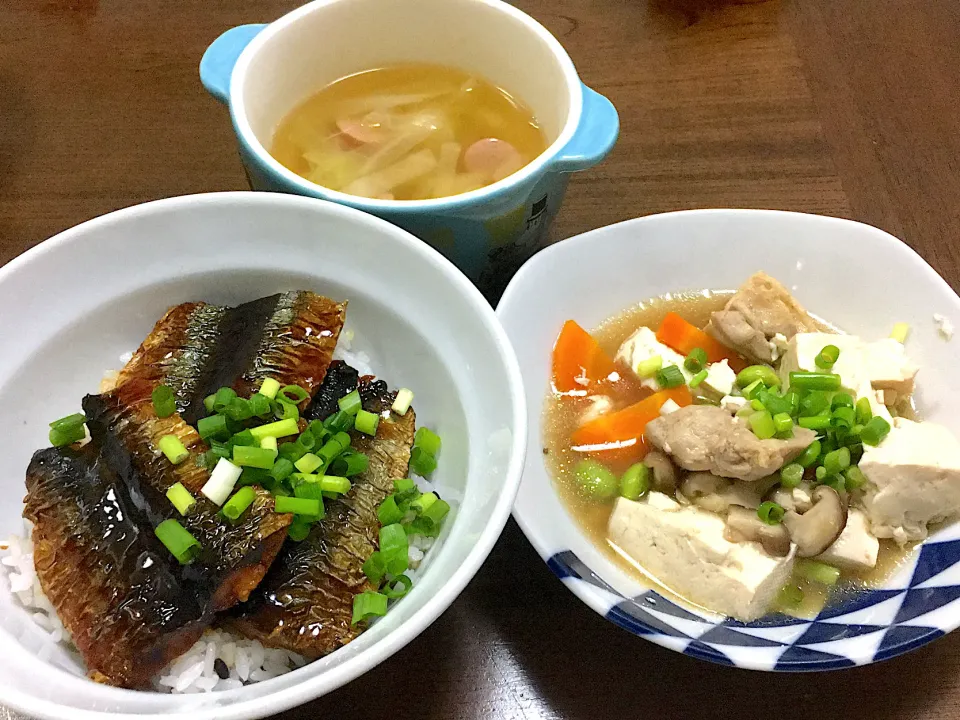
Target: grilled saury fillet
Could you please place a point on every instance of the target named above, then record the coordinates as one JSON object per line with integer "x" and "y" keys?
{"x": 305, "y": 603}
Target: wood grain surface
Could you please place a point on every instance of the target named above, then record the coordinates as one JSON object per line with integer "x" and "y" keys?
{"x": 842, "y": 107}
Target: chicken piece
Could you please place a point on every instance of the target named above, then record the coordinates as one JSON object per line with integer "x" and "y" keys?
{"x": 706, "y": 438}
{"x": 761, "y": 309}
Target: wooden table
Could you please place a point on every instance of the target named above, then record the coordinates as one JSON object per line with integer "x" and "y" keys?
{"x": 830, "y": 106}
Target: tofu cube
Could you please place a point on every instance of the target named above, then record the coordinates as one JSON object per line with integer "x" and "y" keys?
{"x": 856, "y": 548}
{"x": 643, "y": 345}
{"x": 914, "y": 480}
{"x": 684, "y": 549}
{"x": 888, "y": 366}
{"x": 720, "y": 379}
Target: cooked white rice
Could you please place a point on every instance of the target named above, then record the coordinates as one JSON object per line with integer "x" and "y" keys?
{"x": 241, "y": 661}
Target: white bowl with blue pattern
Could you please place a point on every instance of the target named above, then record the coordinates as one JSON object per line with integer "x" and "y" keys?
{"x": 857, "y": 277}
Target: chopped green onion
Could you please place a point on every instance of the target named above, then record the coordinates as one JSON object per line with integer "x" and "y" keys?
{"x": 791, "y": 475}
{"x": 670, "y": 376}
{"x": 281, "y": 470}
{"x": 635, "y": 482}
{"x": 422, "y": 463}
{"x": 841, "y": 399}
{"x": 335, "y": 484}
{"x": 214, "y": 426}
{"x": 270, "y": 443}
{"x": 424, "y": 501}
{"x": 389, "y": 512}
{"x": 751, "y": 390}
{"x": 164, "y": 403}
{"x": 900, "y": 332}
{"x": 260, "y": 406}
{"x": 774, "y": 403}
{"x": 222, "y": 398}
{"x": 290, "y": 451}
{"x": 178, "y": 540}
{"x": 756, "y": 405}
{"x": 790, "y": 597}
{"x": 308, "y": 463}
{"x": 307, "y": 441}
{"x": 255, "y": 476}
{"x": 844, "y": 417}
{"x": 837, "y": 461}
{"x": 818, "y": 422}
{"x": 405, "y": 487}
{"x": 821, "y": 473}
{"x": 350, "y": 403}
{"x": 244, "y": 437}
{"x": 246, "y": 456}
{"x": 770, "y": 513}
{"x": 698, "y": 378}
{"x": 239, "y": 410}
{"x": 875, "y": 431}
{"x": 293, "y": 394}
{"x": 696, "y": 360}
{"x": 403, "y": 401}
{"x": 814, "y": 403}
{"x": 282, "y": 410}
{"x": 306, "y": 486}
{"x": 649, "y": 367}
{"x": 67, "y": 435}
{"x": 367, "y": 605}
{"x": 340, "y": 421}
{"x": 299, "y": 528}
{"x": 436, "y": 512}
{"x": 70, "y": 421}
{"x": 394, "y": 548}
{"x": 864, "y": 411}
{"x": 367, "y": 422}
{"x": 827, "y": 357}
{"x": 279, "y": 429}
{"x": 854, "y": 479}
{"x": 817, "y": 572}
{"x": 222, "y": 481}
{"x": 428, "y": 440}
{"x": 814, "y": 380}
{"x": 307, "y": 507}
{"x": 269, "y": 388}
{"x": 342, "y": 439}
{"x": 173, "y": 448}
{"x": 782, "y": 422}
{"x": 762, "y": 425}
{"x": 793, "y": 397}
{"x": 809, "y": 456}
{"x": 350, "y": 464}
{"x": 764, "y": 374}
{"x": 374, "y": 568}
{"x": 181, "y": 498}
{"x": 208, "y": 402}
{"x": 391, "y": 591}
{"x": 238, "y": 504}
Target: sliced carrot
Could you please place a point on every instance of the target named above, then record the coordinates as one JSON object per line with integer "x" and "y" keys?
{"x": 683, "y": 337}
{"x": 578, "y": 359}
{"x": 628, "y": 424}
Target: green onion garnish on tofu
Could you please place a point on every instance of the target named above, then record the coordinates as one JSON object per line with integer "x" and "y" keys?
{"x": 764, "y": 374}
{"x": 853, "y": 478}
{"x": 173, "y": 449}
{"x": 817, "y": 422}
{"x": 180, "y": 498}
{"x": 814, "y": 380}
{"x": 817, "y": 572}
{"x": 836, "y": 461}
{"x": 696, "y": 360}
{"x": 864, "y": 411}
{"x": 649, "y": 367}
{"x": 164, "y": 402}
{"x": 827, "y": 357}
{"x": 670, "y": 376}
{"x": 875, "y": 431}
{"x": 178, "y": 540}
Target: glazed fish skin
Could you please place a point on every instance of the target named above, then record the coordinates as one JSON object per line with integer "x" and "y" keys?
{"x": 234, "y": 557}
{"x": 130, "y": 607}
{"x": 305, "y": 603}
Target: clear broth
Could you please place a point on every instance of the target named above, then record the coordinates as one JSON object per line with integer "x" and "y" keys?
{"x": 403, "y": 133}
{"x": 561, "y": 417}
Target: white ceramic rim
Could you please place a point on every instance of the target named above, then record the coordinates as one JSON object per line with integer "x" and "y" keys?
{"x": 531, "y": 170}
{"x": 586, "y": 592}
{"x": 312, "y": 688}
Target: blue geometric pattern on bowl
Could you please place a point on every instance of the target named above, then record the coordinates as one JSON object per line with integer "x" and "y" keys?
{"x": 853, "y": 629}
